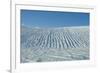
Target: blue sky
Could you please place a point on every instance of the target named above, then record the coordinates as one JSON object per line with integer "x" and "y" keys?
{"x": 36, "y": 18}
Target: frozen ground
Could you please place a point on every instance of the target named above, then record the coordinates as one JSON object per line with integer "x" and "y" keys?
{"x": 54, "y": 44}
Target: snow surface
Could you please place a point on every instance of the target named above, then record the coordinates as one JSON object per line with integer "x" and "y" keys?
{"x": 54, "y": 44}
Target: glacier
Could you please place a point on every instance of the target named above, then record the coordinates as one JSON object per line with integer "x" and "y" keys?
{"x": 54, "y": 44}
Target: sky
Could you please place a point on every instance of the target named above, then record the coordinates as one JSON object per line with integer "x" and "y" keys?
{"x": 47, "y": 19}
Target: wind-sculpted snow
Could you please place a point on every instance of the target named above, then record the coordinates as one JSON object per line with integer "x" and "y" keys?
{"x": 54, "y": 44}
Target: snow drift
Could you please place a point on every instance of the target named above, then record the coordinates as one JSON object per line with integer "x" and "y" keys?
{"x": 54, "y": 44}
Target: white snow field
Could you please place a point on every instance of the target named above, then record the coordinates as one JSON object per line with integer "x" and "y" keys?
{"x": 54, "y": 44}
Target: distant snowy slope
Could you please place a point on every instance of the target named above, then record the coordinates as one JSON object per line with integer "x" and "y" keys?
{"x": 54, "y": 44}
{"x": 55, "y": 38}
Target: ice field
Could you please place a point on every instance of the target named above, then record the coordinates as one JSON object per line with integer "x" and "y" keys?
{"x": 54, "y": 44}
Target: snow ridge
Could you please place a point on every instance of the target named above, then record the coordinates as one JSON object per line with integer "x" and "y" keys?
{"x": 55, "y": 38}
{"x": 54, "y": 44}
